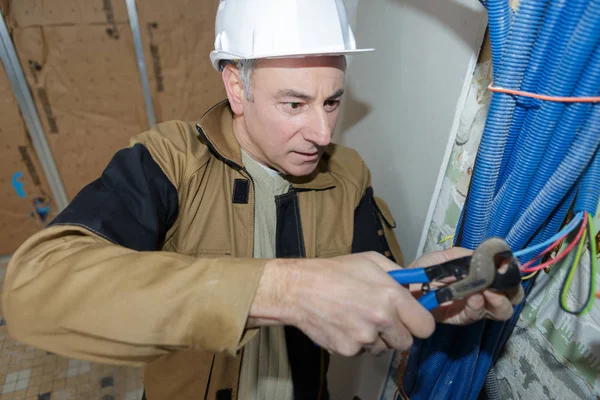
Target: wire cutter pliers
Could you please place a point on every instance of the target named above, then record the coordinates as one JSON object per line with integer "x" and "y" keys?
{"x": 491, "y": 266}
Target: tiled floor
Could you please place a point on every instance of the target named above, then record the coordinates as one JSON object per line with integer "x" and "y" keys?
{"x": 27, "y": 373}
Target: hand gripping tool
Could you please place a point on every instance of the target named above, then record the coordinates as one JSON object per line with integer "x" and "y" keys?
{"x": 491, "y": 266}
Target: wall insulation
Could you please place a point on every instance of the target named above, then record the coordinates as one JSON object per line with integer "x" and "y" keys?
{"x": 26, "y": 200}
{"x": 81, "y": 67}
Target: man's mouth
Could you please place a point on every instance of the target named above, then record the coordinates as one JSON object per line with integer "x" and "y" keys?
{"x": 310, "y": 154}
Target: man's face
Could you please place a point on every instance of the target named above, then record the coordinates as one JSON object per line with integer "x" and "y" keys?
{"x": 293, "y": 113}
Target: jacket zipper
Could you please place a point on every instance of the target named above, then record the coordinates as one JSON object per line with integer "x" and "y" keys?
{"x": 239, "y": 168}
{"x": 212, "y": 148}
{"x": 253, "y": 210}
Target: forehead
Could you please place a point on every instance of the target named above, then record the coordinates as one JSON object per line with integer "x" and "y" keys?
{"x": 327, "y": 71}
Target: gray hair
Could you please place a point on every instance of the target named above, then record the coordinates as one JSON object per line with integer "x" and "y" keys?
{"x": 246, "y": 68}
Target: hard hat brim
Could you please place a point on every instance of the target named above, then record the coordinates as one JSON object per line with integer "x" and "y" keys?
{"x": 217, "y": 56}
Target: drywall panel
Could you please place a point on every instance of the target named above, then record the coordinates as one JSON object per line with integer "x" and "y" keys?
{"x": 402, "y": 98}
{"x": 26, "y": 201}
{"x": 399, "y": 111}
{"x": 177, "y": 42}
{"x": 85, "y": 83}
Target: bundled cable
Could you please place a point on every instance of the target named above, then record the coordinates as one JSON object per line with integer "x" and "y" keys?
{"x": 538, "y": 160}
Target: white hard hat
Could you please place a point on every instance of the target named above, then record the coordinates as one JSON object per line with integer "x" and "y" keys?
{"x": 248, "y": 29}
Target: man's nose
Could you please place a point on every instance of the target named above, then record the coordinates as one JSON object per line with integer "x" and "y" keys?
{"x": 319, "y": 131}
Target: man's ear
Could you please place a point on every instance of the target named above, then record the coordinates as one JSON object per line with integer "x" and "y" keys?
{"x": 234, "y": 88}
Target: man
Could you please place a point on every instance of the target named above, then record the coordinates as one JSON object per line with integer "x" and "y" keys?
{"x": 219, "y": 256}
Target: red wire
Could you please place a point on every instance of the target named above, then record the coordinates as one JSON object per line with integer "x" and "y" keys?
{"x": 543, "y": 253}
{"x": 575, "y": 241}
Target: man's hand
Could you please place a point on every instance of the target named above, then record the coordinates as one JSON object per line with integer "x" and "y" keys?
{"x": 345, "y": 304}
{"x": 487, "y": 304}
{"x": 350, "y": 303}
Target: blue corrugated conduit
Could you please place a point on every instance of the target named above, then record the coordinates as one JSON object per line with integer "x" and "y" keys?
{"x": 535, "y": 159}
{"x": 589, "y": 190}
{"x": 545, "y": 59}
{"x": 518, "y": 49}
{"x": 572, "y": 117}
{"x": 543, "y": 129}
{"x": 567, "y": 174}
{"x": 499, "y": 21}
{"x": 548, "y": 232}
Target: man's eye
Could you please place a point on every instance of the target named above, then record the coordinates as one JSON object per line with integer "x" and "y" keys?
{"x": 332, "y": 104}
{"x": 294, "y": 106}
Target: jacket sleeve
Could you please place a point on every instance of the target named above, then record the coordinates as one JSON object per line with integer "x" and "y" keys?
{"x": 94, "y": 285}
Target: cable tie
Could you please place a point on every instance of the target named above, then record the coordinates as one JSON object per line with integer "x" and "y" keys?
{"x": 560, "y": 99}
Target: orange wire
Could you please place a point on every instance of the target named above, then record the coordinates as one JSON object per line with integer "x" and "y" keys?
{"x": 585, "y": 99}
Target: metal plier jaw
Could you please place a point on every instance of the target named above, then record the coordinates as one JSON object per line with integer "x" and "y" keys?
{"x": 492, "y": 266}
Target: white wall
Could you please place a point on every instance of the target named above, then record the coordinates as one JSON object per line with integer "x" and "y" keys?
{"x": 399, "y": 114}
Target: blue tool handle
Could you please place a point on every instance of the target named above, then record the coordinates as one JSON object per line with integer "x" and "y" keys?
{"x": 407, "y": 276}
{"x": 429, "y": 301}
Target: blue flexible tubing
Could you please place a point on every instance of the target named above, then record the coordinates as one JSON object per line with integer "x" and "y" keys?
{"x": 551, "y": 44}
{"x": 571, "y": 120}
{"x": 432, "y": 356}
{"x": 497, "y": 333}
{"x": 578, "y": 51}
{"x": 589, "y": 189}
{"x": 499, "y": 21}
{"x": 537, "y": 64}
{"x": 514, "y": 63}
{"x": 568, "y": 172}
{"x": 434, "y": 359}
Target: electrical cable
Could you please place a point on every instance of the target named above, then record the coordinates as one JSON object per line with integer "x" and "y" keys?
{"x": 593, "y": 266}
{"x": 542, "y": 254}
{"x": 585, "y": 308}
{"x": 527, "y": 269}
{"x": 560, "y": 235}
{"x": 529, "y": 276}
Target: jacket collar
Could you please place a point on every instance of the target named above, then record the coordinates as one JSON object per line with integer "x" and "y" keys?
{"x": 216, "y": 131}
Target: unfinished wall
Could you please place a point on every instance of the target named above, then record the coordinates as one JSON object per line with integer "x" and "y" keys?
{"x": 177, "y": 42}
{"x": 81, "y": 69}
{"x": 79, "y": 60}
{"x": 26, "y": 199}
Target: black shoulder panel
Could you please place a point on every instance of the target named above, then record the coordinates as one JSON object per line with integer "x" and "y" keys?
{"x": 132, "y": 204}
{"x": 368, "y": 228}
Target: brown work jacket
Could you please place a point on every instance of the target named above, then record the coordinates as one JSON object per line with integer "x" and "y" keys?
{"x": 151, "y": 264}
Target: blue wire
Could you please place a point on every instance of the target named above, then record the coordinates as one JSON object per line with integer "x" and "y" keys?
{"x": 570, "y": 226}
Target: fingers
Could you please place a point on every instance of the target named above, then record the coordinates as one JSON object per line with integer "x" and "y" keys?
{"x": 415, "y": 317}
{"x": 475, "y": 308}
{"x": 378, "y": 348}
{"x": 498, "y": 306}
{"x": 397, "y": 337}
{"x": 439, "y": 257}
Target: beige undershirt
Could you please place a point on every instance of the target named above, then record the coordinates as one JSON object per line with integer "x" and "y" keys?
{"x": 265, "y": 372}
